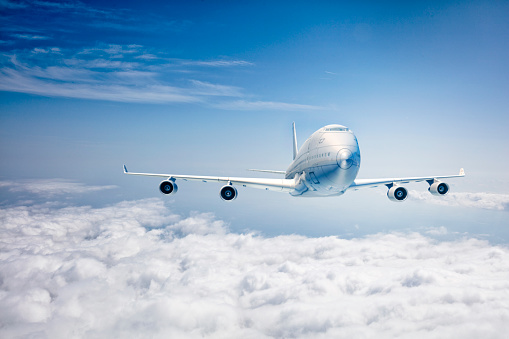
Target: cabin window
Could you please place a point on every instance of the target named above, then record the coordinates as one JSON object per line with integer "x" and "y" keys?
{"x": 336, "y": 129}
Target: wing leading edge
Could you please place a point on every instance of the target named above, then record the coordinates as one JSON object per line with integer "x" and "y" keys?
{"x": 362, "y": 183}
{"x": 285, "y": 185}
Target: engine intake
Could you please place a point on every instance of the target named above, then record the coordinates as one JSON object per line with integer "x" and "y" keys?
{"x": 397, "y": 193}
{"x": 168, "y": 187}
{"x": 228, "y": 193}
{"x": 438, "y": 188}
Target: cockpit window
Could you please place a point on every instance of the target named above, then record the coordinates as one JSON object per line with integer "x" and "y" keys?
{"x": 336, "y": 129}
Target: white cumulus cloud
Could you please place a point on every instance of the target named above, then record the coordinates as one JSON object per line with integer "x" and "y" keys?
{"x": 136, "y": 269}
{"x": 489, "y": 201}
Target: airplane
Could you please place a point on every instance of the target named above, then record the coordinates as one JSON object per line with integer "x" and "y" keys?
{"x": 326, "y": 165}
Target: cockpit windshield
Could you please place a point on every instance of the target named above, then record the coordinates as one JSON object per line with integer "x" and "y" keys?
{"x": 336, "y": 129}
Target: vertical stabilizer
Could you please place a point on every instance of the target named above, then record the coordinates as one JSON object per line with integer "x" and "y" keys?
{"x": 295, "y": 149}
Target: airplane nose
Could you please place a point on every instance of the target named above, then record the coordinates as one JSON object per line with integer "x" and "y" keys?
{"x": 344, "y": 158}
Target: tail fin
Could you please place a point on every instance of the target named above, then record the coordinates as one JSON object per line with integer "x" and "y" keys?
{"x": 295, "y": 149}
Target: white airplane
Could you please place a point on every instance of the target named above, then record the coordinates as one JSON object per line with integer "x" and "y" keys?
{"x": 326, "y": 165}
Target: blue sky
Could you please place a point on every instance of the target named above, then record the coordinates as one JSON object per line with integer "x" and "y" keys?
{"x": 212, "y": 88}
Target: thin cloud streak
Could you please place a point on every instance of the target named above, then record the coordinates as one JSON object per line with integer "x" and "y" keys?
{"x": 17, "y": 82}
{"x": 124, "y": 73}
{"x": 30, "y": 37}
{"x": 12, "y": 5}
{"x": 245, "y": 105}
{"x": 76, "y": 7}
{"x": 162, "y": 275}
{"x": 218, "y": 63}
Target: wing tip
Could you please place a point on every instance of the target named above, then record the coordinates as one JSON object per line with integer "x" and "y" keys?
{"x": 462, "y": 172}
{"x": 125, "y": 169}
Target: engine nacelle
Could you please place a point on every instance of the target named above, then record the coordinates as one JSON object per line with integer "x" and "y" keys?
{"x": 168, "y": 187}
{"x": 228, "y": 193}
{"x": 438, "y": 188}
{"x": 397, "y": 193}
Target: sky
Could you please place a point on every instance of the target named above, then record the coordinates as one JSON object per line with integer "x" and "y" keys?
{"x": 212, "y": 88}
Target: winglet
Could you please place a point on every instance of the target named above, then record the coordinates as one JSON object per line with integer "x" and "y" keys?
{"x": 295, "y": 149}
{"x": 462, "y": 172}
{"x": 125, "y": 169}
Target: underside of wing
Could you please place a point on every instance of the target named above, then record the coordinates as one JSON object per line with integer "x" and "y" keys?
{"x": 362, "y": 183}
{"x": 396, "y": 192}
{"x": 285, "y": 185}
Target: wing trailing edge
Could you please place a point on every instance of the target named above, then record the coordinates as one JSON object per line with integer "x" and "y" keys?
{"x": 360, "y": 183}
{"x": 285, "y": 185}
{"x": 267, "y": 171}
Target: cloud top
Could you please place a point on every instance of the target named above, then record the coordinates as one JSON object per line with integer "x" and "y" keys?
{"x": 52, "y": 187}
{"x": 135, "y": 269}
{"x": 489, "y": 201}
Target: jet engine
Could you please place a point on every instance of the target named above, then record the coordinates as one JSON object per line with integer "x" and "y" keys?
{"x": 168, "y": 187}
{"x": 228, "y": 193}
{"x": 397, "y": 193}
{"x": 438, "y": 188}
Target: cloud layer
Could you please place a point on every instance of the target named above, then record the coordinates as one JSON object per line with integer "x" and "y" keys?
{"x": 135, "y": 269}
{"x": 51, "y": 187}
{"x": 489, "y": 201}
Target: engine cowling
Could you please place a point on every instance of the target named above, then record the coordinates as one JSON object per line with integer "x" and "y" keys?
{"x": 438, "y": 188}
{"x": 397, "y": 193}
{"x": 168, "y": 187}
{"x": 228, "y": 193}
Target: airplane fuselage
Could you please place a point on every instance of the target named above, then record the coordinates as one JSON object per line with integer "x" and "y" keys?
{"x": 327, "y": 163}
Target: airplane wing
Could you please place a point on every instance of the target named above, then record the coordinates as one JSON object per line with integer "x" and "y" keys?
{"x": 285, "y": 185}
{"x": 267, "y": 171}
{"x": 361, "y": 183}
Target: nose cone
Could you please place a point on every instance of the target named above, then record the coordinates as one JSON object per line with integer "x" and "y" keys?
{"x": 348, "y": 160}
{"x": 345, "y": 158}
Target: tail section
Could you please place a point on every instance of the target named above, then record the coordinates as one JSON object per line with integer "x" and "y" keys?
{"x": 295, "y": 149}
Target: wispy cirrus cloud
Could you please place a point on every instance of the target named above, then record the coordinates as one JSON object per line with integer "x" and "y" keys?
{"x": 125, "y": 74}
{"x": 12, "y": 4}
{"x": 217, "y": 63}
{"x": 164, "y": 275}
{"x": 90, "y": 87}
{"x": 30, "y": 37}
{"x": 113, "y": 72}
{"x": 70, "y": 6}
{"x": 52, "y": 18}
{"x": 265, "y": 105}
{"x": 206, "y": 88}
